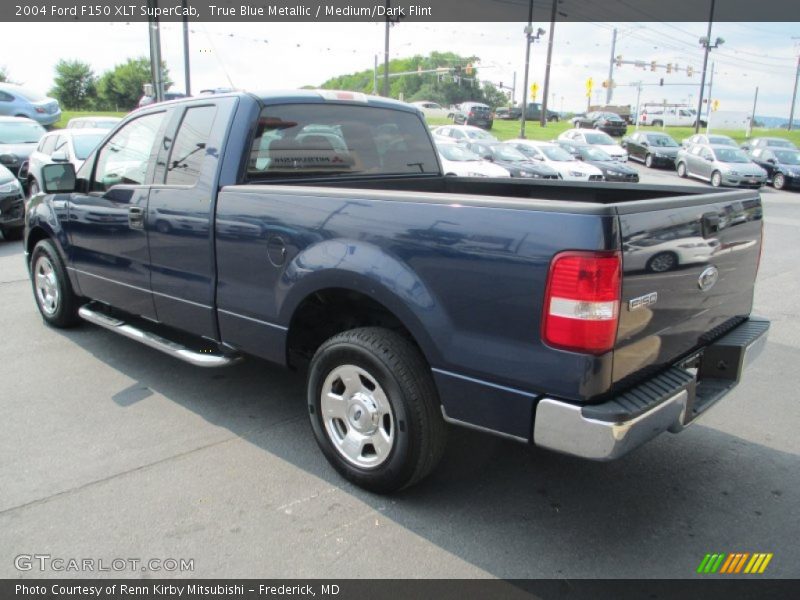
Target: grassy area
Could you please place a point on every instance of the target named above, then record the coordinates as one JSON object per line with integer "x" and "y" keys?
{"x": 506, "y": 130}
{"x": 71, "y": 114}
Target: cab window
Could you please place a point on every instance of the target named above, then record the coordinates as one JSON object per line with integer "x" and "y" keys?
{"x": 189, "y": 149}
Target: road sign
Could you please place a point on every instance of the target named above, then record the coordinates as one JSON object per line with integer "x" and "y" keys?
{"x": 534, "y": 90}
{"x": 589, "y": 87}
{"x": 715, "y": 105}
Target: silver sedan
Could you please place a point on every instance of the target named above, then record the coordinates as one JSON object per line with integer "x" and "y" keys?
{"x": 720, "y": 166}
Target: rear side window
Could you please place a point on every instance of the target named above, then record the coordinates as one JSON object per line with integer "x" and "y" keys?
{"x": 189, "y": 149}
{"x": 339, "y": 140}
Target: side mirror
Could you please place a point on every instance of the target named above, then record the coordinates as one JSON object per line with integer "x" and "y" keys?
{"x": 59, "y": 156}
{"x": 58, "y": 178}
{"x": 645, "y": 144}
{"x": 710, "y": 158}
{"x": 772, "y": 161}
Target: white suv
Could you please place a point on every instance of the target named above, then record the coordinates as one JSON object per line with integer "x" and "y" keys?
{"x": 670, "y": 116}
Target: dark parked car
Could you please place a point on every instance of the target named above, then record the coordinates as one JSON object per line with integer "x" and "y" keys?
{"x": 12, "y": 211}
{"x": 18, "y": 138}
{"x": 474, "y": 113}
{"x": 408, "y": 299}
{"x": 768, "y": 142}
{"x": 610, "y": 123}
{"x": 506, "y": 113}
{"x": 781, "y": 164}
{"x": 653, "y": 149}
{"x": 613, "y": 170}
{"x": 511, "y": 159}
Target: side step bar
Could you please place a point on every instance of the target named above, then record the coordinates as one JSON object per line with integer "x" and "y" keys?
{"x": 174, "y": 349}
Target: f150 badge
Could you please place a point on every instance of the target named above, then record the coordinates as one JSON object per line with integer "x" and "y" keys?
{"x": 642, "y": 301}
{"x": 708, "y": 278}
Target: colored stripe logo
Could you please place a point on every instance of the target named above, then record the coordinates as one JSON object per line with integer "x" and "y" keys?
{"x": 735, "y": 563}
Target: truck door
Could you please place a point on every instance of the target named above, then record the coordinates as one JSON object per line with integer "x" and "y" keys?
{"x": 180, "y": 215}
{"x": 108, "y": 241}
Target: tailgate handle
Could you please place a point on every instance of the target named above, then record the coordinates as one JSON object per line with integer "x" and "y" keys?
{"x": 710, "y": 224}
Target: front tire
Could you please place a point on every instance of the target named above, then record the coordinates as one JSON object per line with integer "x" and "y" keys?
{"x": 57, "y": 302}
{"x": 648, "y": 160}
{"x": 681, "y": 169}
{"x": 716, "y": 179}
{"x": 779, "y": 181}
{"x": 374, "y": 409}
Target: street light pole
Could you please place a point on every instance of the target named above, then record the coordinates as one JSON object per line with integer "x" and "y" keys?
{"x": 186, "y": 71}
{"x": 794, "y": 94}
{"x": 386, "y": 54}
{"x": 610, "y": 89}
{"x": 528, "y": 31}
{"x": 543, "y": 119}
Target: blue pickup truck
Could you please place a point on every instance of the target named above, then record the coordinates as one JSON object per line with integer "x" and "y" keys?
{"x": 315, "y": 229}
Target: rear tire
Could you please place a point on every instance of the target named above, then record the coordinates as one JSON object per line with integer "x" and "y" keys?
{"x": 778, "y": 181}
{"x": 716, "y": 179}
{"x": 681, "y": 169}
{"x": 52, "y": 290}
{"x": 374, "y": 409}
{"x": 657, "y": 123}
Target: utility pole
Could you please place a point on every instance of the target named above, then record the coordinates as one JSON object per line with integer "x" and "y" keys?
{"x": 186, "y": 71}
{"x": 386, "y": 54}
{"x": 610, "y": 89}
{"x": 514, "y": 88}
{"x": 375, "y": 77}
{"x": 794, "y": 93}
{"x": 528, "y": 31}
{"x": 707, "y": 47}
{"x": 156, "y": 72}
{"x": 543, "y": 119}
{"x": 708, "y": 101}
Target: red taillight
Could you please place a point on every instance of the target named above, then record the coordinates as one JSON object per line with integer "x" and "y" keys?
{"x": 581, "y": 304}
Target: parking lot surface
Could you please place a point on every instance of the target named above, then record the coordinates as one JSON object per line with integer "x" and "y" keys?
{"x": 113, "y": 450}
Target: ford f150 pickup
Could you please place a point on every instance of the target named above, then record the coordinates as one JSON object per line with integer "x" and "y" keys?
{"x": 315, "y": 229}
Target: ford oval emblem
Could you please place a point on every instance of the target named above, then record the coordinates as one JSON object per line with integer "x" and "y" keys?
{"x": 708, "y": 278}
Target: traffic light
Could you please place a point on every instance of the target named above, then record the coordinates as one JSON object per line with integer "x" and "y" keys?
{"x": 501, "y": 85}
{"x": 619, "y": 60}
{"x": 689, "y": 71}
{"x": 669, "y": 67}
{"x": 653, "y": 65}
{"x": 661, "y": 81}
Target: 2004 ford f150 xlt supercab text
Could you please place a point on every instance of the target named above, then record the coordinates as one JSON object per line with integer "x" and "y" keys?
{"x": 314, "y": 229}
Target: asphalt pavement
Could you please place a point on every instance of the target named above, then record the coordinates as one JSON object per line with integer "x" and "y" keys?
{"x": 111, "y": 450}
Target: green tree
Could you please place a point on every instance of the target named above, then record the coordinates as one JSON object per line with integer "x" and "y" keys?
{"x": 75, "y": 85}
{"x": 121, "y": 87}
{"x": 3, "y": 74}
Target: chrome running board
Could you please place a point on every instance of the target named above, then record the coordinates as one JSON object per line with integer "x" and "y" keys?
{"x": 174, "y": 349}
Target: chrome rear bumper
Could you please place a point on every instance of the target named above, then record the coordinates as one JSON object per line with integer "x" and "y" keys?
{"x": 668, "y": 402}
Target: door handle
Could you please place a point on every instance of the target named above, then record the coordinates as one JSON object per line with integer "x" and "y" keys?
{"x": 136, "y": 217}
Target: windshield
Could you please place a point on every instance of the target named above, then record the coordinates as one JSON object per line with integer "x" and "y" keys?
{"x": 788, "y": 157}
{"x": 599, "y": 138}
{"x": 479, "y": 134}
{"x": 84, "y": 144}
{"x": 721, "y": 140}
{"x": 557, "y": 154}
{"x": 298, "y": 140}
{"x": 731, "y": 155}
{"x": 592, "y": 153}
{"x": 663, "y": 141}
{"x": 457, "y": 153}
{"x": 20, "y": 133}
{"x": 509, "y": 153}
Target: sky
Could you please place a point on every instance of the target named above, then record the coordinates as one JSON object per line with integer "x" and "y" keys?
{"x": 260, "y": 56}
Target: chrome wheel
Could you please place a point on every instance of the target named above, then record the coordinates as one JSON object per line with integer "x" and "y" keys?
{"x": 46, "y": 281}
{"x": 778, "y": 181}
{"x": 716, "y": 179}
{"x": 358, "y": 417}
{"x": 648, "y": 160}
{"x": 662, "y": 262}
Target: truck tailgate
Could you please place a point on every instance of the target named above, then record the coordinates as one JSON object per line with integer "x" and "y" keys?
{"x": 688, "y": 277}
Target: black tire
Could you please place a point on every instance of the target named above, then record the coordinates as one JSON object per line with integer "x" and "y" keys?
{"x": 12, "y": 234}
{"x": 657, "y": 123}
{"x": 779, "y": 181}
{"x": 401, "y": 372}
{"x": 716, "y": 179}
{"x": 553, "y": 119}
{"x": 662, "y": 262}
{"x": 681, "y": 168}
{"x": 64, "y": 313}
{"x": 648, "y": 160}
